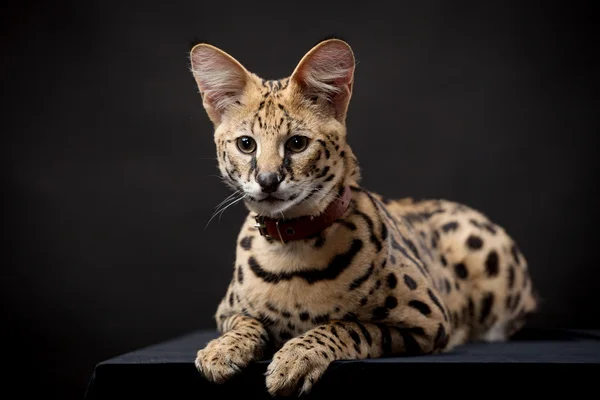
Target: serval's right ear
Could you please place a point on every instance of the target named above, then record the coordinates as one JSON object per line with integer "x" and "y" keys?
{"x": 221, "y": 79}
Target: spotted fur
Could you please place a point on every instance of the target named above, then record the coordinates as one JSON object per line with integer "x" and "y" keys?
{"x": 388, "y": 278}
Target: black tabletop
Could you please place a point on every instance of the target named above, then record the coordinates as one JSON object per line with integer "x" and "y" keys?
{"x": 534, "y": 357}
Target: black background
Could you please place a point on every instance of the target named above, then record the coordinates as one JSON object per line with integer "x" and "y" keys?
{"x": 110, "y": 172}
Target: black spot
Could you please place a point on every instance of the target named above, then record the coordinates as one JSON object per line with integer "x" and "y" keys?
{"x": 231, "y": 299}
{"x": 240, "y": 274}
{"x": 304, "y": 316}
{"x": 252, "y": 165}
{"x": 455, "y": 318}
{"x": 515, "y": 253}
{"x": 450, "y": 226}
{"x": 334, "y": 331}
{"x": 461, "y": 271}
{"x": 336, "y": 266}
{"x": 391, "y": 302}
{"x": 363, "y": 301}
{"x": 435, "y": 237}
{"x": 441, "y": 338}
{"x": 365, "y": 332}
{"x": 384, "y": 262}
{"x": 428, "y": 215}
{"x": 371, "y": 228}
{"x": 319, "y": 242}
{"x": 412, "y": 247}
{"x": 379, "y": 313}
{"x": 266, "y": 321}
{"x": 511, "y": 276}
{"x": 362, "y": 279}
{"x": 386, "y": 339}
{"x": 490, "y": 228}
{"x": 410, "y": 282}
{"x": 447, "y": 285}
{"x": 354, "y": 336}
{"x": 347, "y": 224}
{"x": 474, "y": 242}
{"x": 397, "y": 246}
{"x": 486, "y": 306}
{"x": 411, "y": 346}
{"x": 475, "y": 223}
{"x": 443, "y": 260}
{"x": 271, "y": 307}
{"x": 383, "y": 231}
{"x": 435, "y": 300}
{"x": 420, "y": 306}
{"x": 491, "y": 264}
{"x": 246, "y": 242}
{"x": 323, "y": 172}
{"x": 392, "y": 281}
{"x": 350, "y": 316}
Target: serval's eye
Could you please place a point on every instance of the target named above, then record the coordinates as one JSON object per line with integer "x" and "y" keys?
{"x": 246, "y": 144}
{"x": 297, "y": 143}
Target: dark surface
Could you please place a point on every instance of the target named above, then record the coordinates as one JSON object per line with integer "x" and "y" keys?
{"x": 532, "y": 358}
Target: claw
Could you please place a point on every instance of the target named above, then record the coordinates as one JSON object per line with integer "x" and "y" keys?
{"x": 198, "y": 366}
{"x": 234, "y": 366}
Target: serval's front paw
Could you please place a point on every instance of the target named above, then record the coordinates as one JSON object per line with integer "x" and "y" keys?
{"x": 226, "y": 356}
{"x": 296, "y": 368}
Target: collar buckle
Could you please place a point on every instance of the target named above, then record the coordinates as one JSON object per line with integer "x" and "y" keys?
{"x": 260, "y": 225}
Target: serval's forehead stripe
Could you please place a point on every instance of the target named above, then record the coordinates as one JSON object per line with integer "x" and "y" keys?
{"x": 271, "y": 116}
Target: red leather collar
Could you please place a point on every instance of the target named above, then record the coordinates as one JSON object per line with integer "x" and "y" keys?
{"x": 303, "y": 227}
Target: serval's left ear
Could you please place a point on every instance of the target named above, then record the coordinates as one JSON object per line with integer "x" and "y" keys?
{"x": 325, "y": 75}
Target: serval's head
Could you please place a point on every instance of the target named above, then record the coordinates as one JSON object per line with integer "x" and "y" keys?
{"x": 281, "y": 144}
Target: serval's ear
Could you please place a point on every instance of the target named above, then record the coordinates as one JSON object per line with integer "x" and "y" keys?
{"x": 221, "y": 79}
{"x": 326, "y": 73}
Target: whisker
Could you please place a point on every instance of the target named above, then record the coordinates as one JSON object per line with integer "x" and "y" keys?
{"x": 227, "y": 198}
{"x": 231, "y": 204}
{"x": 226, "y": 204}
